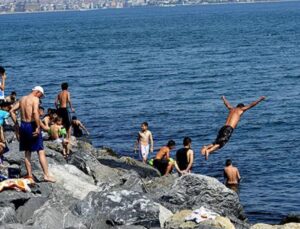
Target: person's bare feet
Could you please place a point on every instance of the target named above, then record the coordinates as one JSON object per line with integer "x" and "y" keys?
{"x": 49, "y": 179}
{"x": 203, "y": 150}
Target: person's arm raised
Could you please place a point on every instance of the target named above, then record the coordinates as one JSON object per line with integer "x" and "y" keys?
{"x": 226, "y": 103}
{"x": 253, "y": 104}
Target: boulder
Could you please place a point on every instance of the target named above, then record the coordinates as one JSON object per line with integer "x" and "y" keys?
{"x": 7, "y": 215}
{"x": 193, "y": 191}
{"x": 291, "y": 218}
{"x": 116, "y": 208}
{"x": 73, "y": 180}
{"x": 219, "y": 222}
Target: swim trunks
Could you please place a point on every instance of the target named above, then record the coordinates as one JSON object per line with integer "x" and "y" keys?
{"x": 144, "y": 151}
{"x": 224, "y": 135}
{"x": 161, "y": 165}
{"x": 28, "y": 142}
{"x": 64, "y": 114}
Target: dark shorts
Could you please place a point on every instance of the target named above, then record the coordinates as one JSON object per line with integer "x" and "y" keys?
{"x": 65, "y": 115}
{"x": 28, "y": 142}
{"x": 224, "y": 135}
{"x": 161, "y": 165}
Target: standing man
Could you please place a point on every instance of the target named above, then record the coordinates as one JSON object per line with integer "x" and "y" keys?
{"x": 29, "y": 133}
{"x": 145, "y": 142}
{"x": 62, "y": 101}
{"x": 231, "y": 176}
{"x": 2, "y": 83}
{"x": 232, "y": 121}
{"x": 185, "y": 157}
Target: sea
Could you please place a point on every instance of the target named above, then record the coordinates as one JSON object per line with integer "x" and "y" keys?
{"x": 170, "y": 66}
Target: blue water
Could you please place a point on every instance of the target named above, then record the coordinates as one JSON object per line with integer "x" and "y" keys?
{"x": 170, "y": 67}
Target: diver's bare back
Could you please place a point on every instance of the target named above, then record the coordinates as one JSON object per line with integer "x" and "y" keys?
{"x": 234, "y": 117}
{"x": 63, "y": 98}
{"x": 27, "y": 104}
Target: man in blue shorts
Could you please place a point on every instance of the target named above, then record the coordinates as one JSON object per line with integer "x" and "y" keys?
{"x": 29, "y": 132}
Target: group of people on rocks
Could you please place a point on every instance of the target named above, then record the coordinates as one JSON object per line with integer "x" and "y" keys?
{"x": 32, "y": 126}
{"x": 184, "y": 158}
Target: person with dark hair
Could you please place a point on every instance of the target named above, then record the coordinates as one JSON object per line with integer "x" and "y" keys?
{"x": 185, "y": 157}
{"x": 12, "y": 98}
{"x": 29, "y": 132}
{"x": 62, "y": 101}
{"x": 4, "y": 115}
{"x": 78, "y": 127}
{"x": 231, "y": 176}
{"x": 2, "y": 83}
{"x": 144, "y": 141}
{"x": 162, "y": 161}
{"x": 48, "y": 119}
{"x": 232, "y": 121}
{"x": 58, "y": 133}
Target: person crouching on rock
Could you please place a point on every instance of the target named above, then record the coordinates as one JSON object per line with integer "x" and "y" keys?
{"x": 58, "y": 133}
{"x": 185, "y": 157}
{"x": 29, "y": 133}
{"x": 162, "y": 160}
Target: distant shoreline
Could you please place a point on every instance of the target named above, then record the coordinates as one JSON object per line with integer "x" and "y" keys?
{"x": 147, "y": 6}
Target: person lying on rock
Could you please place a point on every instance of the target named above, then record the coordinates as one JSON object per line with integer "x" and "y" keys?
{"x": 58, "y": 134}
{"x": 185, "y": 157}
{"x": 231, "y": 176}
{"x": 232, "y": 121}
{"x": 29, "y": 133}
{"x": 162, "y": 160}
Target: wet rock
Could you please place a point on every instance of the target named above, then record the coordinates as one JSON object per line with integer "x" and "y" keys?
{"x": 291, "y": 218}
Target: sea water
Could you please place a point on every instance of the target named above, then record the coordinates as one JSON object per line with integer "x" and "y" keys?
{"x": 170, "y": 67}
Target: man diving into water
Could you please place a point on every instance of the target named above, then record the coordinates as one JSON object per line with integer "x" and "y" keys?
{"x": 232, "y": 121}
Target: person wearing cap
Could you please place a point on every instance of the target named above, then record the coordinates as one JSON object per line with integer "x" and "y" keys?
{"x": 29, "y": 132}
{"x": 2, "y": 83}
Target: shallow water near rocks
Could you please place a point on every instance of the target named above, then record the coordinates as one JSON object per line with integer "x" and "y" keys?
{"x": 170, "y": 67}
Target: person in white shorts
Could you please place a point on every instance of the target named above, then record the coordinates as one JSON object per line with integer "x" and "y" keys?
{"x": 145, "y": 142}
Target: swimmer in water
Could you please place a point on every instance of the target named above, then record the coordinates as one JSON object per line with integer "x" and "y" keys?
{"x": 232, "y": 121}
{"x": 144, "y": 141}
{"x": 231, "y": 176}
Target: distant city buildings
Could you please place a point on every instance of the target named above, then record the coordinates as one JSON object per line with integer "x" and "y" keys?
{"x": 11, "y": 6}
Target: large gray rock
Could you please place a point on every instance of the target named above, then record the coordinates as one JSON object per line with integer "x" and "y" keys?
{"x": 193, "y": 191}
{"x": 7, "y": 215}
{"x": 291, "y": 218}
{"x": 120, "y": 207}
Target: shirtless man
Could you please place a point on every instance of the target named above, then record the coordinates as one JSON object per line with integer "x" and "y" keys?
{"x": 144, "y": 137}
{"x": 29, "y": 133}
{"x": 231, "y": 176}
{"x": 162, "y": 161}
{"x": 58, "y": 134}
{"x": 232, "y": 121}
{"x": 62, "y": 101}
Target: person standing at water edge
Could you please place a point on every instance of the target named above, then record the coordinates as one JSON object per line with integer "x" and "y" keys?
{"x": 2, "y": 83}
{"x": 232, "y": 121}
{"x": 29, "y": 133}
{"x": 62, "y": 101}
{"x": 231, "y": 176}
{"x": 145, "y": 142}
{"x": 185, "y": 157}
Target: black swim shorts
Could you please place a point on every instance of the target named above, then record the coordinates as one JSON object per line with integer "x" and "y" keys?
{"x": 161, "y": 165}
{"x": 224, "y": 135}
{"x": 65, "y": 115}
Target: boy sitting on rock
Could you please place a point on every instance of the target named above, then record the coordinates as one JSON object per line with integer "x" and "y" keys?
{"x": 58, "y": 133}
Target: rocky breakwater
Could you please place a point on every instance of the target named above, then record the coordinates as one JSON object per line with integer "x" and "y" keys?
{"x": 96, "y": 188}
